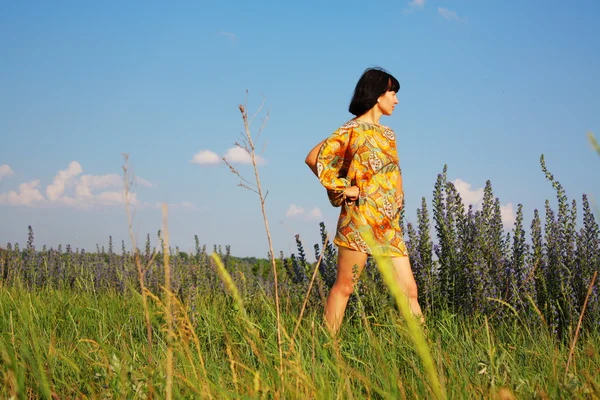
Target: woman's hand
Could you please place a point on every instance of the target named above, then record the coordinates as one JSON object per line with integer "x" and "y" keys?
{"x": 351, "y": 193}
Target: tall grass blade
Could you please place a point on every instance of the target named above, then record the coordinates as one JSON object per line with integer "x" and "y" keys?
{"x": 385, "y": 267}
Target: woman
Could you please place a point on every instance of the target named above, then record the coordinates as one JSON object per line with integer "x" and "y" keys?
{"x": 358, "y": 165}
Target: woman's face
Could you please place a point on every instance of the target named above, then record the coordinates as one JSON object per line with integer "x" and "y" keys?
{"x": 387, "y": 102}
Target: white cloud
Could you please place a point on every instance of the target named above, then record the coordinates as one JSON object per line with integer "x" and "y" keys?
{"x": 450, "y": 15}
{"x": 85, "y": 184}
{"x": 232, "y": 36}
{"x": 475, "y": 197}
{"x": 107, "y": 198}
{"x": 27, "y": 195}
{"x": 299, "y": 212}
{"x": 315, "y": 213}
{"x": 417, "y": 3}
{"x": 114, "y": 198}
{"x": 237, "y": 155}
{"x": 508, "y": 215}
{"x": 102, "y": 181}
{"x": 468, "y": 195}
{"x": 294, "y": 210}
{"x": 142, "y": 182}
{"x": 205, "y": 157}
{"x": 414, "y": 5}
{"x": 70, "y": 188}
{"x": 5, "y": 171}
{"x": 62, "y": 180}
{"x": 234, "y": 155}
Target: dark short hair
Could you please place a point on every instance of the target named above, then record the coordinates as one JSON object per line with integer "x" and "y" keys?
{"x": 373, "y": 83}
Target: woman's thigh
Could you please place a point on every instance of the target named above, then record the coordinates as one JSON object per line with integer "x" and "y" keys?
{"x": 350, "y": 262}
{"x": 403, "y": 273}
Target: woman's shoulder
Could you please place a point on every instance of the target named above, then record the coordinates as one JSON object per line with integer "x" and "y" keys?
{"x": 349, "y": 125}
{"x": 363, "y": 126}
{"x": 346, "y": 129}
{"x": 358, "y": 127}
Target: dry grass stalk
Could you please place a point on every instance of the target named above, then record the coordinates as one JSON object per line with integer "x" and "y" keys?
{"x": 248, "y": 145}
{"x": 184, "y": 333}
{"x": 579, "y": 322}
{"x": 312, "y": 280}
{"x": 127, "y": 184}
{"x": 169, "y": 313}
{"x": 232, "y": 367}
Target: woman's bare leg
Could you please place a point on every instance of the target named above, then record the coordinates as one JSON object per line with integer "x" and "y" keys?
{"x": 335, "y": 307}
{"x": 405, "y": 279}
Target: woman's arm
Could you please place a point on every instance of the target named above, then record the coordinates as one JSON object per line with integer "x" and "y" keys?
{"x": 350, "y": 193}
{"x": 311, "y": 158}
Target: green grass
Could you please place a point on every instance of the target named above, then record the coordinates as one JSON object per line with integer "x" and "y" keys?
{"x": 67, "y": 345}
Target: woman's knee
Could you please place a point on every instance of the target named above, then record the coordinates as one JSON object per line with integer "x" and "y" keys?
{"x": 343, "y": 288}
{"x": 411, "y": 290}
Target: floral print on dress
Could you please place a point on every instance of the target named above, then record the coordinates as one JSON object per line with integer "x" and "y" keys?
{"x": 364, "y": 155}
{"x": 359, "y": 242}
{"x": 374, "y": 162}
{"x": 389, "y": 134}
{"x": 389, "y": 209}
{"x": 349, "y": 124}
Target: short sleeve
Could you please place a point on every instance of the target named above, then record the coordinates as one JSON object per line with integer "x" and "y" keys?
{"x": 331, "y": 164}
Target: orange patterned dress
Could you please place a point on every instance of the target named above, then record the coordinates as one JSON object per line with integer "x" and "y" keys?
{"x": 364, "y": 155}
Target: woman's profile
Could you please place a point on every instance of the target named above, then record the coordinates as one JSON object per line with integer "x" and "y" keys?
{"x": 359, "y": 166}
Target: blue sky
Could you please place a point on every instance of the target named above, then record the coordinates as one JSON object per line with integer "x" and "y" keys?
{"x": 486, "y": 88}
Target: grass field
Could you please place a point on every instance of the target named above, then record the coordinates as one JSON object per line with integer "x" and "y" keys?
{"x": 62, "y": 344}
{"x": 78, "y": 325}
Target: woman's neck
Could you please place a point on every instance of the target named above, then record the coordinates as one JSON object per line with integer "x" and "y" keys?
{"x": 372, "y": 116}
